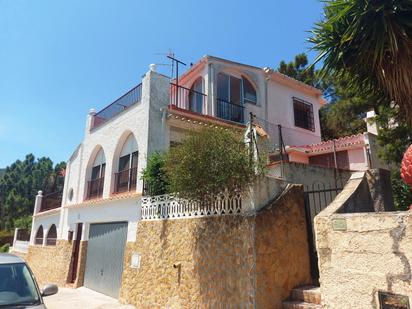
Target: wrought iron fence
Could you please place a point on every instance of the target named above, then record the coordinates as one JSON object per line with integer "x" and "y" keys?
{"x": 230, "y": 111}
{"x": 125, "y": 180}
{"x": 187, "y": 99}
{"x": 95, "y": 188}
{"x": 125, "y": 101}
{"x": 317, "y": 197}
{"x": 51, "y": 201}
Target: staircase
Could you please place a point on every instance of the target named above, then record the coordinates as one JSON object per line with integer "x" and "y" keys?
{"x": 305, "y": 297}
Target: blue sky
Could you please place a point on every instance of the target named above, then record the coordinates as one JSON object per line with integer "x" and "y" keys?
{"x": 60, "y": 58}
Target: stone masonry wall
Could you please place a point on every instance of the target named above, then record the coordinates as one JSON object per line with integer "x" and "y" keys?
{"x": 361, "y": 254}
{"x": 373, "y": 254}
{"x": 216, "y": 264}
{"x": 50, "y": 264}
{"x": 282, "y": 252}
{"x": 220, "y": 262}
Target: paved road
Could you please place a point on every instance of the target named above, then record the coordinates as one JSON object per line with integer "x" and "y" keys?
{"x": 82, "y": 298}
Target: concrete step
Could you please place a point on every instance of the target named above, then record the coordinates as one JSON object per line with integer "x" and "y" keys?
{"x": 309, "y": 294}
{"x": 296, "y": 304}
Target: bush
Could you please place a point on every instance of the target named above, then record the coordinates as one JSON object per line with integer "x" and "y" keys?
{"x": 210, "y": 162}
{"x": 402, "y": 194}
{"x": 154, "y": 175}
{"x": 5, "y": 248}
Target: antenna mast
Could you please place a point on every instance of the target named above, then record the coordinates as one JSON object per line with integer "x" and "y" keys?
{"x": 177, "y": 62}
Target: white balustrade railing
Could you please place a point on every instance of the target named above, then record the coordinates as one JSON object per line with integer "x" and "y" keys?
{"x": 171, "y": 207}
{"x": 20, "y": 246}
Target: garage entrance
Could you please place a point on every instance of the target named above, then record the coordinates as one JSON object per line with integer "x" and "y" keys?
{"x": 104, "y": 262}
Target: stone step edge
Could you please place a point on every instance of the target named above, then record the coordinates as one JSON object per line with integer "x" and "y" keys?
{"x": 310, "y": 294}
{"x": 295, "y": 304}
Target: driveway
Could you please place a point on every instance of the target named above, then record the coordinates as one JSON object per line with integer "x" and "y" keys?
{"x": 82, "y": 298}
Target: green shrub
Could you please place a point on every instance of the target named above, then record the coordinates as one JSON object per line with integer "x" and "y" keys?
{"x": 5, "y": 248}
{"x": 210, "y": 162}
{"x": 154, "y": 175}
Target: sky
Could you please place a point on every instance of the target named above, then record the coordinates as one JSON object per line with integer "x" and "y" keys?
{"x": 59, "y": 58}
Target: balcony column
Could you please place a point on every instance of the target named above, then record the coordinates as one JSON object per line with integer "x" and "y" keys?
{"x": 16, "y": 231}
{"x": 45, "y": 232}
{"x": 211, "y": 97}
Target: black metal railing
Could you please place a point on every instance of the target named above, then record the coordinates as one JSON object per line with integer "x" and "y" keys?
{"x": 187, "y": 99}
{"x": 128, "y": 99}
{"x": 316, "y": 198}
{"x": 51, "y": 201}
{"x": 125, "y": 180}
{"x": 95, "y": 188}
{"x": 230, "y": 111}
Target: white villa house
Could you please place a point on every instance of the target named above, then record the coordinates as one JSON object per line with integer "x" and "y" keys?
{"x": 104, "y": 199}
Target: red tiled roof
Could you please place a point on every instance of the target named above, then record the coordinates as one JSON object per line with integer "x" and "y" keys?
{"x": 327, "y": 146}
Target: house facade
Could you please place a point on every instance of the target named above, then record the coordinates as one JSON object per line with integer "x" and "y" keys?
{"x": 103, "y": 201}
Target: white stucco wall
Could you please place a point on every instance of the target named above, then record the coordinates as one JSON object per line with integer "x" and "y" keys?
{"x": 111, "y": 136}
{"x": 357, "y": 159}
{"x": 46, "y": 220}
{"x": 126, "y": 210}
{"x": 144, "y": 116}
{"x": 274, "y": 99}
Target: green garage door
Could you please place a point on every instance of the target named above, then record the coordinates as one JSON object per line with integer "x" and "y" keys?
{"x": 105, "y": 252}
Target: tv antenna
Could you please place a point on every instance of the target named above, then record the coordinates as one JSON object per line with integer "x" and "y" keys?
{"x": 176, "y": 62}
{"x": 171, "y": 54}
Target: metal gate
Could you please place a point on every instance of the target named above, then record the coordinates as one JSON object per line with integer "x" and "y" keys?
{"x": 104, "y": 262}
{"x": 317, "y": 197}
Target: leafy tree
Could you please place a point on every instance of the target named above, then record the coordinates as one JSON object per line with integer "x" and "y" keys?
{"x": 208, "y": 163}
{"x": 370, "y": 44}
{"x": 23, "y": 222}
{"x": 344, "y": 114}
{"x": 20, "y": 183}
{"x": 154, "y": 175}
{"x": 299, "y": 70}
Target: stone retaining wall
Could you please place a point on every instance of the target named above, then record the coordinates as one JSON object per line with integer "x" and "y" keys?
{"x": 220, "y": 262}
{"x": 362, "y": 254}
{"x": 50, "y": 264}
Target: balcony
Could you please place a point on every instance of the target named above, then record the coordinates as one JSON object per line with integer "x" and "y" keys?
{"x": 195, "y": 102}
{"x": 125, "y": 180}
{"x": 230, "y": 111}
{"x": 95, "y": 188}
{"x": 51, "y": 201}
{"x": 188, "y": 99}
{"x": 125, "y": 101}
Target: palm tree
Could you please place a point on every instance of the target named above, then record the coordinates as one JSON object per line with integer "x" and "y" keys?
{"x": 371, "y": 42}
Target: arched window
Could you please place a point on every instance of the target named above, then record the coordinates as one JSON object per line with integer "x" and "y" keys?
{"x": 126, "y": 177}
{"x": 249, "y": 92}
{"x": 96, "y": 182}
{"x": 39, "y": 236}
{"x": 196, "y": 96}
{"x": 51, "y": 236}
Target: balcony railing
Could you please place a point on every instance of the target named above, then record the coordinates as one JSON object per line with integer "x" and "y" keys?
{"x": 125, "y": 180}
{"x": 187, "y": 99}
{"x": 51, "y": 201}
{"x": 95, "y": 188}
{"x": 230, "y": 111}
{"x": 125, "y": 101}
